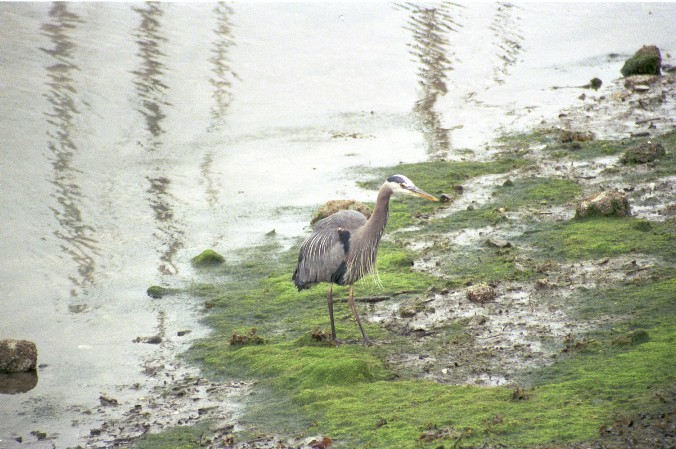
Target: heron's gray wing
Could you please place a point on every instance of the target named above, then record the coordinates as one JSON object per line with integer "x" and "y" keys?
{"x": 350, "y": 220}
{"x": 322, "y": 255}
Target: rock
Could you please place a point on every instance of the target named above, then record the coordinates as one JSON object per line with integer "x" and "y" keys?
{"x": 519, "y": 394}
{"x": 642, "y": 153}
{"x": 608, "y": 203}
{"x": 575, "y": 136}
{"x": 18, "y": 356}
{"x": 542, "y": 284}
{"x": 669, "y": 210}
{"x": 635, "y": 337}
{"x": 498, "y": 243}
{"x": 107, "y": 401}
{"x": 333, "y": 206}
{"x": 478, "y": 320}
{"x": 480, "y": 293}
{"x": 640, "y": 82}
{"x": 646, "y": 61}
{"x": 407, "y": 312}
{"x": 246, "y": 340}
{"x": 207, "y": 258}
{"x": 39, "y": 435}
{"x": 444, "y": 198}
{"x": 155, "y": 291}
{"x": 153, "y": 340}
{"x": 595, "y": 83}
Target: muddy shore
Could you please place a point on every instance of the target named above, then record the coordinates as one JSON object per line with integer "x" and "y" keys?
{"x": 523, "y": 328}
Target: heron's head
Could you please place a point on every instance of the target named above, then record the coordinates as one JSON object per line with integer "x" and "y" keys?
{"x": 401, "y": 184}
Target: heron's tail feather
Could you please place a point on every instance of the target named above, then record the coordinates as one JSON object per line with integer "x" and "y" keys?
{"x": 300, "y": 285}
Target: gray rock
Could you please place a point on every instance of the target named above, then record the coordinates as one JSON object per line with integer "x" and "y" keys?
{"x": 481, "y": 293}
{"x": 18, "y": 356}
{"x": 333, "y": 206}
{"x": 498, "y": 243}
{"x": 642, "y": 153}
{"x": 608, "y": 203}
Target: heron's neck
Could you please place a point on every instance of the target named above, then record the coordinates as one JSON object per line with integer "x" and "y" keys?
{"x": 375, "y": 225}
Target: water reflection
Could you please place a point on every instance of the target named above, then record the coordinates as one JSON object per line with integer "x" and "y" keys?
{"x": 221, "y": 80}
{"x": 507, "y": 39}
{"x": 77, "y": 237}
{"x": 148, "y": 81}
{"x": 167, "y": 230}
{"x": 222, "y": 74}
{"x": 430, "y": 26}
{"x": 16, "y": 383}
{"x": 151, "y": 91}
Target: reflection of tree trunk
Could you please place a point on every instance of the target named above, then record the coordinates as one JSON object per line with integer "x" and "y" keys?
{"x": 148, "y": 81}
{"x": 221, "y": 82}
{"x": 151, "y": 91}
{"x": 168, "y": 230}
{"x": 77, "y": 237}
{"x": 430, "y": 27}
{"x": 222, "y": 74}
{"x": 507, "y": 40}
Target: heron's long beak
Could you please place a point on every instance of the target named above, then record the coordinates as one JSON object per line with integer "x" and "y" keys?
{"x": 421, "y": 193}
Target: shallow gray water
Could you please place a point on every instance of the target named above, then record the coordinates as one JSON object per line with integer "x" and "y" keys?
{"x": 133, "y": 136}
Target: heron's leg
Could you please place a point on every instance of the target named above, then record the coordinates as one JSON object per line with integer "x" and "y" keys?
{"x": 329, "y": 301}
{"x": 350, "y": 301}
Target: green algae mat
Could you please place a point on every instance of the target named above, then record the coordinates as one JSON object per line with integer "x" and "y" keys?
{"x": 612, "y": 278}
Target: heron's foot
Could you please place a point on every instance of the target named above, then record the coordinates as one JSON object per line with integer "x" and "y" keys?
{"x": 368, "y": 342}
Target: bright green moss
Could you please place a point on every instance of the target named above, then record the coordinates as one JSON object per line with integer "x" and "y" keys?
{"x": 207, "y": 258}
{"x": 435, "y": 178}
{"x": 440, "y": 176}
{"x": 301, "y": 364}
{"x": 182, "y": 437}
{"x": 351, "y": 394}
{"x": 535, "y": 192}
{"x": 606, "y": 237}
{"x": 525, "y": 141}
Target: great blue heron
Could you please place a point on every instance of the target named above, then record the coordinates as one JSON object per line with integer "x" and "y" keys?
{"x": 343, "y": 247}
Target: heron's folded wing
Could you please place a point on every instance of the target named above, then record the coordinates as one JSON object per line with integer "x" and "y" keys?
{"x": 322, "y": 254}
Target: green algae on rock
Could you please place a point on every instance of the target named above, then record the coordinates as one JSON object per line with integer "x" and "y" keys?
{"x": 646, "y": 61}
{"x": 156, "y": 291}
{"x": 643, "y": 153}
{"x": 608, "y": 203}
{"x": 207, "y": 258}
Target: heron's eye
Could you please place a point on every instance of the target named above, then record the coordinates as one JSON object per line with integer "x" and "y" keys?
{"x": 403, "y": 186}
